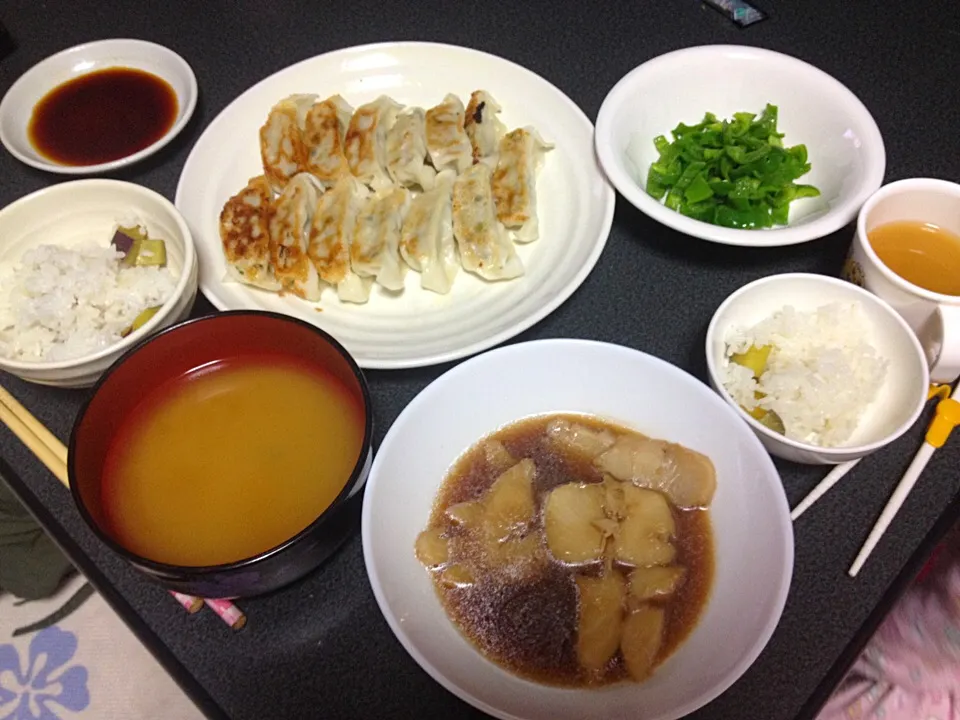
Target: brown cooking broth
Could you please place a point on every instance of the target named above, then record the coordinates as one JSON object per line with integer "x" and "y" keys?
{"x": 528, "y": 624}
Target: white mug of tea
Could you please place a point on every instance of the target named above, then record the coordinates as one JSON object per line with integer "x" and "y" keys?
{"x": 907, "y": 252}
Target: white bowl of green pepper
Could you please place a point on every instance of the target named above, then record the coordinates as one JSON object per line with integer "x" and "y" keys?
{"x": 740, "y": 146}
{"x": 145, "y": 233}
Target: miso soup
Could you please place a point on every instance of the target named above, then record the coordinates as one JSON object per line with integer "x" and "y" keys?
{"x": 230, "y": 460}
{"x": 572, "y": 551}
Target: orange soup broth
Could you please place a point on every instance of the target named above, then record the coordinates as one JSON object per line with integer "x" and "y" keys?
{"x": 922, "y": 254}
{"x": 230, "y": 460}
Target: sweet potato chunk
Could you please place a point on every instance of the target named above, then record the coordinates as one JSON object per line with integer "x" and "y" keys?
{"x": 570, "y": 515}
{"x": 600, "y": 619}
{"x": 641, "y": 640}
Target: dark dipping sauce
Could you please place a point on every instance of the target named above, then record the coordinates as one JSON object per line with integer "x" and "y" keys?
{"x": 529, "y": 626}
{"x": 102, "y": 116}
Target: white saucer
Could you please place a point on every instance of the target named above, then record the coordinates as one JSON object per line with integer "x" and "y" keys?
{"x": 17, "y": 105}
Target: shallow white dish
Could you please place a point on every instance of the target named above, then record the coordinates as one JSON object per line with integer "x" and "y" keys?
{"x": 844, "y": 144}
{"x": 80, "y": 211}
{"x": 17, "y": 105}
{"x": 898, "y": 403}
{"x": 753, "y": 534}
{"x": 418, "y": 327}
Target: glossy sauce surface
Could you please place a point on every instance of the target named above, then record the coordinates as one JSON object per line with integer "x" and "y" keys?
{"x": 102, "y": 116}
{"x": 229, "y": 461}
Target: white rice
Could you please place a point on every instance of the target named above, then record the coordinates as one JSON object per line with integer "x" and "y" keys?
{"x": 62, "y": 303}
{"x": 822, "y": 372}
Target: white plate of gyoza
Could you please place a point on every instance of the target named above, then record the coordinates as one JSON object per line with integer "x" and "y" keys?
{"x": 420, "y": 202}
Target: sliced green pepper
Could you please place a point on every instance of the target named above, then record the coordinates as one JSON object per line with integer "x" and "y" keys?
{"x": 734, "y": 173}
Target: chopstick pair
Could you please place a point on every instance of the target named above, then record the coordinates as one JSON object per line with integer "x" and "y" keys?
{"x": 946, "y": 417}
{"x": 53, "y": 454}
{"x": 225, "y": 610}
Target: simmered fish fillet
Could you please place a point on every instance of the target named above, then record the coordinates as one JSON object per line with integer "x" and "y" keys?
{"x": 643, "y": 538}
{"x": 647, "y": 583}
{"x": 579, "y": 439}
{"x": 599, "y": 618}
{"x": 573, "y": 523}
{"x": 642, "y": 639}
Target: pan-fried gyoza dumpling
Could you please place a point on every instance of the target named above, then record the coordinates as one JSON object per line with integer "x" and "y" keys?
{"x": 245, "y": 234}
{"x": 407, "y": 150}
{"x": 485, "y": 246}
{"x": 331, "y": 234}
{"x": 375, "y": 251}
{"x": 324, "y": 134}
{"x": 290, "y": 237}
{"x": 366, "y": 145}
{"x": 282, "y": 149}
{"x": 515, "y": 182}
{"x": 447, "y": 141}
{"x": 482, "y": 125}
{"x": 427, "y": 243}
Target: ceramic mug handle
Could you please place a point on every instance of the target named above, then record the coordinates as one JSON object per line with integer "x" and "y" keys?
{"x": 940, "y": 338}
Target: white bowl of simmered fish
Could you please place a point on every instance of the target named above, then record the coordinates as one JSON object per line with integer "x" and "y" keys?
{"x": 568, "y": 529}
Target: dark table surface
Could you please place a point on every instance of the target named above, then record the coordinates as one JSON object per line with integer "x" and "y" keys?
{"x": 321, "y": 648}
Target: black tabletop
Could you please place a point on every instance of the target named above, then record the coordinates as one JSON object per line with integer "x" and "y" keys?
{"x": 321, "y": 648}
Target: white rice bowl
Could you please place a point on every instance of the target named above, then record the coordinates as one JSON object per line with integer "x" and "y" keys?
{"x": 900, "y": 397}
{"x": 821, "y": 376}
{"x": 62, "y": 303}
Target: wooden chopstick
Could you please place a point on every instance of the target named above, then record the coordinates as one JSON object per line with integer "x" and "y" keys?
{"x": 32, "y": 433}
{"x": 53, "y": 453}
{"x": 37, "y": 427}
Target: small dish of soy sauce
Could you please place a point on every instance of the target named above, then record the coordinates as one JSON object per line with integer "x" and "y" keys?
{"x": 97, "y": 107}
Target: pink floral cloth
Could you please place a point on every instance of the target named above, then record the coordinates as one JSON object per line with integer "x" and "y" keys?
{"x": 911, "y": 668}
